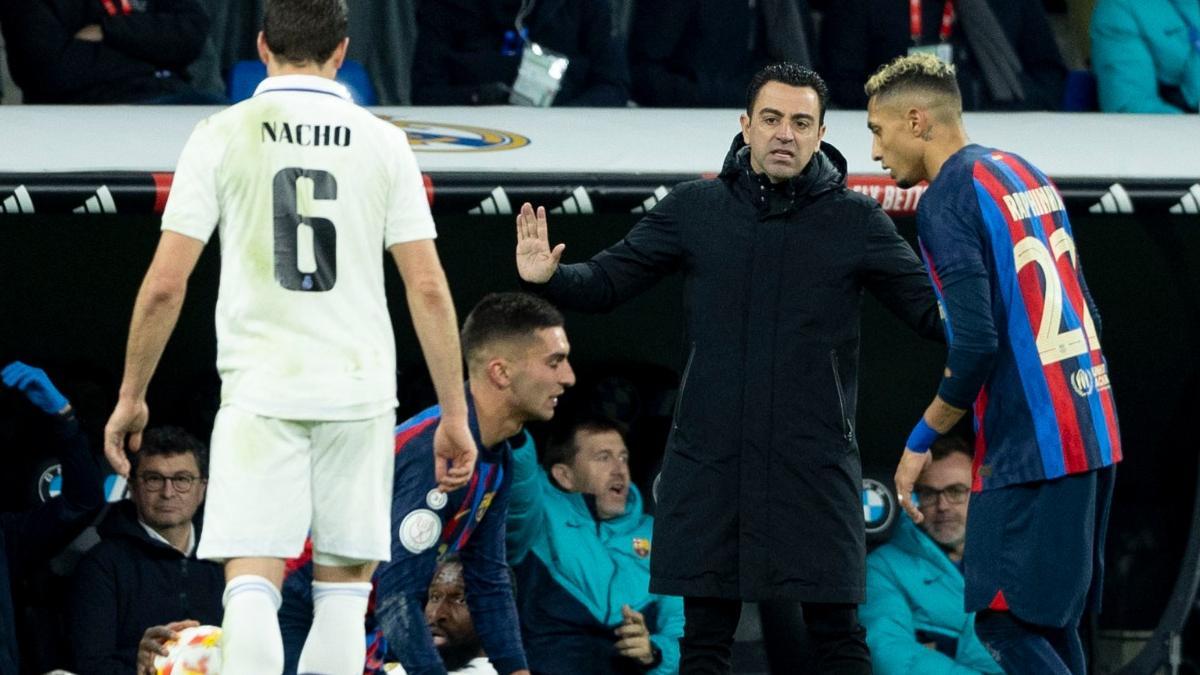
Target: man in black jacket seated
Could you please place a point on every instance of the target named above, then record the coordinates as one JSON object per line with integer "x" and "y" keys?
{"x": 30, "y": 538}
{"x": 144, "y": 572}
{"x": 760, "y": 491}
{"x": 106, "y": 51}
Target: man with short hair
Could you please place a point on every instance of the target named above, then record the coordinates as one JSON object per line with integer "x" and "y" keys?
{"x": 450, "y": 623}
{"x": 517, "y": 356}
{"x": 144, "y": 572}
{"x": 760, "y": 497}
{"x": 914, "y": 610}
{"x": 1024, "y": 339}
{"x": 307, "y": 190}
{"x": 580, "y": 545}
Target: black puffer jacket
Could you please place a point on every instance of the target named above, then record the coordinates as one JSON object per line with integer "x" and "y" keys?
{"x": 458, "y": 57}
{"x": 145, "y": 53}
{"x": 130, "y": 582}
{"x": 760, "y": 492}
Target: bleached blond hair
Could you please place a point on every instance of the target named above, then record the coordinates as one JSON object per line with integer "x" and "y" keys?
{"x": 922, "y": 74}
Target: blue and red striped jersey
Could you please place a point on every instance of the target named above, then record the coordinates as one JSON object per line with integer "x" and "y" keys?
{"x": 1019, "y": 320}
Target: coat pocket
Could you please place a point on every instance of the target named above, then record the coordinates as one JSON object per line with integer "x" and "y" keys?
{"x": 687, "y": 369}
{"x": 847, "y": 423}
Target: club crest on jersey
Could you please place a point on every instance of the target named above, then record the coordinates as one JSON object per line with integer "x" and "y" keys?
{"x": 641, "y": 547}
{"x": 1083, "y": 383}
{"x": 483, "y": 505}
{"x": 439, "y": 137}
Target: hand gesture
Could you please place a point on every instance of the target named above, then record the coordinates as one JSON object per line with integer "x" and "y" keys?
{"x": 152, "y": 643}
{"x": 910, "y": 468}
{"x": 536, "y": 262}
{"x": 634, "y": 637}
{"x": 37, "y": 387}
{"x": 453, "y": 454}
{"x": 124, "y": 429}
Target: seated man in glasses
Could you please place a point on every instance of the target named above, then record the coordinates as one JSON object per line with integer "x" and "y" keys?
{"x": 914, "y": 612}
{"x": 144, "y": 572}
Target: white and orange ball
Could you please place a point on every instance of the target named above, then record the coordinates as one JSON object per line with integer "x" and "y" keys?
{"x": 197, "y": 651}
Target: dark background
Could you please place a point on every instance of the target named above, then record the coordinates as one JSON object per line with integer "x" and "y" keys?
{"x": 69, "y": 284}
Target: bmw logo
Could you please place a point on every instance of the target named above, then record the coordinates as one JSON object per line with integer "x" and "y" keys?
{"x": 879, "y": 507}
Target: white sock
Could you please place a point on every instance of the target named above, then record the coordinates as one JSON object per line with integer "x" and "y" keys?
{"x": 336, "y": 643}
{"x": 250, "y": 640}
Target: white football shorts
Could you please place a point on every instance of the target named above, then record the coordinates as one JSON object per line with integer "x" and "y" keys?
{"x": 272, "y": 480}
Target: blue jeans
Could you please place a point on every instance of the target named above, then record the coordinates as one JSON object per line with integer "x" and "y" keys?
{"x": 1020, "y": 647}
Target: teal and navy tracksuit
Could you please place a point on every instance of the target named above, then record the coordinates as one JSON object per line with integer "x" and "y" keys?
{"x": 575, "y": 571}
{"x": 914, "y": 598}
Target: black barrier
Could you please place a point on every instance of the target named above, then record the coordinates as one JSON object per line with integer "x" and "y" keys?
{"x": 69, "y": 284}
{"x": 489, "y": 193}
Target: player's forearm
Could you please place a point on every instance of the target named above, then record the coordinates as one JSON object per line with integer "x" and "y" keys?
{"x": 436, "y": 325}
{"x": 154, "y": 316}
{"x": 941, "y": 416}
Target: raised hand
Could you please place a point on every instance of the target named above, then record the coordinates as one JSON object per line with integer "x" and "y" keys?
{"x": 453, "y": 454}
{"x": 37, "y": 387}
{"x": 536, "y": 261}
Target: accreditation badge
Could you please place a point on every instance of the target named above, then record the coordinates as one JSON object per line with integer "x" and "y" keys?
{"x": 943, "y": 50}
{"x": 539, "y": 76}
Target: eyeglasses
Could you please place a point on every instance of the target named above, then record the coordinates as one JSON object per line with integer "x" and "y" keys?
{"x": 928, "y": 496}
{"x": 156, "y": 481}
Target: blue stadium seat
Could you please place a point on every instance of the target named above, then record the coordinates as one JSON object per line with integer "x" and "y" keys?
{"x": 245, "y": 76}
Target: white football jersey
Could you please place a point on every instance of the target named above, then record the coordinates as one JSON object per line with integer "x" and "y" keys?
{"x": 307, "y": 190}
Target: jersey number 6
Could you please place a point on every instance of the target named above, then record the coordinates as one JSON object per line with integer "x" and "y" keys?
{"x": 305, "y": 246}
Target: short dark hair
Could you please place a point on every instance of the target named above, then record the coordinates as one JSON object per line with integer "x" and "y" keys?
{"x": 563, "y": 448}
{"x": 949, "y": 444}
{"x": 170, "y": 441}
{"x": 305, "y": 31}
{"x": 792, "y": 74}
{"x": 506, "y": 316}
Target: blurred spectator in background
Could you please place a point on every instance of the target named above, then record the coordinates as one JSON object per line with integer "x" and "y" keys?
{"x": 914, "y": 610}
{"x": 469, "y": 51}
{"x": 32, "y": 537}
{"x": 107, "y": 51}
{"x": 580, "y": 545}
{"x": 1004, "y": 50}
{"x": 144, "y": 572}
{"x": 1146, "y": 55}
{"x": 701, "y": 53}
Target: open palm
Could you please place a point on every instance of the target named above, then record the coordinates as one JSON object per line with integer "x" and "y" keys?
{"x": 536, "y": 261}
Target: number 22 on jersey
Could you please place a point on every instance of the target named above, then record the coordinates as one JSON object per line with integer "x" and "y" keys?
{"x": 1053, "y": 343}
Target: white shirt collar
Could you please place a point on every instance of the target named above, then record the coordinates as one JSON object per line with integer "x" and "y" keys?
{"x": 310, "y": 83}
{"x": 191, "y": 543}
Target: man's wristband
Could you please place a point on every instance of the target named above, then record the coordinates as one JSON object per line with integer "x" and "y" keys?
{"x": 921, "y": 437}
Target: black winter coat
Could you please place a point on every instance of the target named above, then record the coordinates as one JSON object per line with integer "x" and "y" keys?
{"x": 144, "y": 54}
{"x": 859, "y": 36}
{"x": 30, "y": 538}
{"x": 129, "y": 582}
{"x": 760, "y": 496}
{"x": 458, "y": 59}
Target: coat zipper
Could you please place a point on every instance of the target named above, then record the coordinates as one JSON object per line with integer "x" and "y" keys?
{"x": 687, "y": 368}
{"x": 847, "y": 426}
